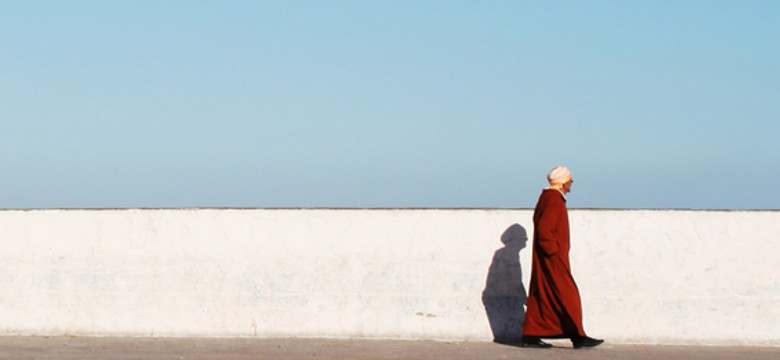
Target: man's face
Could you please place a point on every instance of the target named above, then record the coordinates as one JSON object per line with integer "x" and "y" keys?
{"x": 567, "y": 186}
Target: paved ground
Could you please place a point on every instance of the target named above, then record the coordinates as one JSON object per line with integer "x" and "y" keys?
{"x": 68, "y": 348}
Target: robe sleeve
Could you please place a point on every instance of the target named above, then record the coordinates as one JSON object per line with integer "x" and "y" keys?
{"x": 548, "y": 219}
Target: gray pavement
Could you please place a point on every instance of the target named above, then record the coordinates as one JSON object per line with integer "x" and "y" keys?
{"x": 67, "y": 348}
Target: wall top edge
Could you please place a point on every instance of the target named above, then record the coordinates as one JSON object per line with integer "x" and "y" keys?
{"x": 375, "y": 209}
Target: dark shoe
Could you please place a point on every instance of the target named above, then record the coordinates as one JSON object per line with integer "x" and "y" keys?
{"x": 536, "y": 343}
{"x": 585, "y": 342}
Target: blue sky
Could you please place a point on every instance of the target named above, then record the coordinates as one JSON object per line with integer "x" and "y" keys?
{"x": 652, "y": 104}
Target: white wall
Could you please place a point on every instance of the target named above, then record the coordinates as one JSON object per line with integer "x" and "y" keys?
{"x": 645, "y": 276}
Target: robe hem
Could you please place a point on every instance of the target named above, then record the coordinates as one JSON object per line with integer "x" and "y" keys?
{"x": 559, "y": 336}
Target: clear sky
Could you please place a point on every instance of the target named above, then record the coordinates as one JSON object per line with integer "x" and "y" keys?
{"x": 652, "y": 104}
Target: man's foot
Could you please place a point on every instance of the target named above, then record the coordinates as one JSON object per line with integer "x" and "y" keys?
{"x": 585, "y": 342}
{"x": 534, "y": 342}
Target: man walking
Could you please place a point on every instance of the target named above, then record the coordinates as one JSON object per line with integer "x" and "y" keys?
{"x": 554, "y": 305}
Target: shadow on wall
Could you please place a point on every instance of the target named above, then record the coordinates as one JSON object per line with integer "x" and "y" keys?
{"x": 505, "y": 296}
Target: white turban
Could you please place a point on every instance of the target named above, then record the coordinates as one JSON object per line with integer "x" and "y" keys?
{"x": 559, "y": 175}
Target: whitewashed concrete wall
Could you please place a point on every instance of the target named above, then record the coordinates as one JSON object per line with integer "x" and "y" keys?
{"x": 645, "y": 276}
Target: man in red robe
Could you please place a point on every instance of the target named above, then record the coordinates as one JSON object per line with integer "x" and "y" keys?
{"x": 554, "y": 308}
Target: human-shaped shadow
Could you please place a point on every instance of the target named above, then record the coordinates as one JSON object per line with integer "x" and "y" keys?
{"x": 505, "y": 296}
